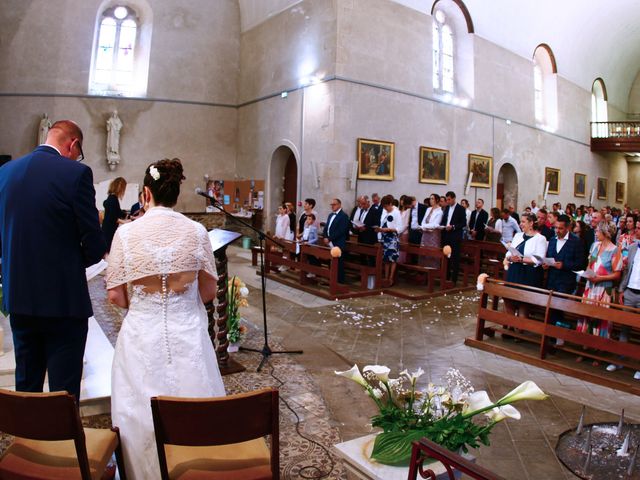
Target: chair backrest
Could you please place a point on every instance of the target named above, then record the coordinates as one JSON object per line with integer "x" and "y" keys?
{"x": 44, "y": 416}
{"x": 217, "y": 421}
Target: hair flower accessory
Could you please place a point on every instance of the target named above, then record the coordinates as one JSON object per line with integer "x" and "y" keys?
{"x": 153, "y": 171}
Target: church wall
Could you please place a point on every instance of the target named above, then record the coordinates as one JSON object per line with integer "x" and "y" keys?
{"x": 633, "y": 186}
{"x": 194, "y": 58}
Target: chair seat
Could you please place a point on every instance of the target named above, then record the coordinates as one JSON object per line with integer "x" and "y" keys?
{"x": 35, "y": 459}
{"x": 240, "y": 461}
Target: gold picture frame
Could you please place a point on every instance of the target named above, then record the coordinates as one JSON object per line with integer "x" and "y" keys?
{"x": 434, "y": 166}
{"x": 376, "y": 159}
{"x": 620, "y": 192}
{"x": 579, "y": 185}
{"x": 601, "y": 188}
{"x": 482, "y": 168}
{"x": 552, "y": 176}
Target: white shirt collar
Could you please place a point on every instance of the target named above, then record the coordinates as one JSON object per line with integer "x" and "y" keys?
{"x": 50, "y": 146}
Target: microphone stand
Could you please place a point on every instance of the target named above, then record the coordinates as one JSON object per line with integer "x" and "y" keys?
{"x": 266, "y": 350}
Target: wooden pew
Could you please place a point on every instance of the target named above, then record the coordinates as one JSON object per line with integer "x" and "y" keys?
{"x": 431, "y": 273}
{"x": 361, "y": 251}
{"x": 540, "y": 332}
{"x": 330, "y": 272}
{"x": 478, "y": 256}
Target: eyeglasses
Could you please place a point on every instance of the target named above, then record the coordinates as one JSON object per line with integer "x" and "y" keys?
{"x": 81, "y": 156}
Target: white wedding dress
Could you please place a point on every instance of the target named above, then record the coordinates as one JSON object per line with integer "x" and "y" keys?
{"x": 163, "y": 347}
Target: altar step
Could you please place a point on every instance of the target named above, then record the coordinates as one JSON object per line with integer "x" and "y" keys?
{"x": 95, "y": 390}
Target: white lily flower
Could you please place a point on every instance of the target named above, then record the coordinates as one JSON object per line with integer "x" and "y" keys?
{"x": 477, "y": 401}
{"x": 376, "y": 392}
{"x": 380, "y": 371}
{"x": 500, "y": 413}
{"x": 244, "y": 291}
{"x": 525, "y": 391}
{"x": 353, "y": 374}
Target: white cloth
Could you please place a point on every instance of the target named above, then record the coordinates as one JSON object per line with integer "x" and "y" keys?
{"x": 154, "y": 356}
{"x": 414, "y": 218}
{"x": 634, "y": 277}
{"x": 561, "y": 241}
{"x": 508, "y": 228}
{"x": 452, "y": 208}
{"x": 396, "y": 219}
{"x": 536, "y": 245}
{"x": 432, "y": 218}
{"x": 283, "y": 226}
{"x": 405, "y": 216}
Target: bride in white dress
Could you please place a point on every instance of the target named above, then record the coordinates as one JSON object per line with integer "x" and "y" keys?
{"x": 161, "y": 268}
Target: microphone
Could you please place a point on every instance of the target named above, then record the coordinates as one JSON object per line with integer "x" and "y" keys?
{"x": 204, "y": 194}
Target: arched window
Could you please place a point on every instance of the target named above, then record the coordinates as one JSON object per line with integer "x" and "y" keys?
{"x": 453, "y": 51}
{"x": 599, "y": 108}
{"x": 120, "y": 58}
{"x": 545, "y": 88}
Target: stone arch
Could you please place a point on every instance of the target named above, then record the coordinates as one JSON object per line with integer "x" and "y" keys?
{"x": 284, "y": 159}
{"x": 507, "y": 187}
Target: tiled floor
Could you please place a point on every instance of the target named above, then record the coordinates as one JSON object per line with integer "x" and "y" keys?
{"x": 428, "y": 334}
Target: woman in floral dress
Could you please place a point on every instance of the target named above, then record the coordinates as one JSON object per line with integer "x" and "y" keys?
{"x": 605, "y": 261}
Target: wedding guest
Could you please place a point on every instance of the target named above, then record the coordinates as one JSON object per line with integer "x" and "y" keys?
{"x": 514, "y": 214}
{"x": 523, "y": 268}
{"x": 136, "y": 207}
{"x": 391, "y": 224}
{"x": 291, "y": 212}
{"x": 308, "y": 208}
{"x": 543, "y": 226}
{"x": 310, "y": 231}
{"x": 465, "y": 204}
{"x": 336, "y": 232}
{"x": 492, "y": 234}
{"x": 405, "y": 217}
{"x": 453, "y": 220}
{"x": 507, "y": 226}
{"x": 478, "y": 221}
{"x": 113, "y": 214}
{"x": 431, "y": 230}
{"x": 417, "y": 214}
{"x": 283, "y": 230}
{"x": 627, "y": 236}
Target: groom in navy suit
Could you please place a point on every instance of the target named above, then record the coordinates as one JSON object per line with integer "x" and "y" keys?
{"x": 49, "y": 233}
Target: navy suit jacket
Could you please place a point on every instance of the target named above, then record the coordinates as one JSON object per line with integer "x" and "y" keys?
{"x": 458, "y": 221}
{"x": 49, "y": 232}
{"x": 370, "y": 220}
{"x": 339, "y": 229}
{"x": 480, "y": 225}
{"x": 572, "y": 258}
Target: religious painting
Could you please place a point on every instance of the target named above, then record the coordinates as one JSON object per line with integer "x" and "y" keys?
{"x": 375, "y": 159}
{"x": 434, "y": 165}
{"x": 552, "y": 177}
{"x": 619, "y": 192}
{"x": 482, "y": 168}
{"x": 601, "y": 188}
{"x": 579, "y": 185}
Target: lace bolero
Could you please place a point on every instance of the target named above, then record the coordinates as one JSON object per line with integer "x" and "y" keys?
{"x": 160, "y": 242}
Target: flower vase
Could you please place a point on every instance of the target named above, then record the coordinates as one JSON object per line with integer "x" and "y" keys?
{"x": 233, "y": 347}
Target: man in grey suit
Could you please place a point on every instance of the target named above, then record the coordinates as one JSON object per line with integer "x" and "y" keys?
{"x": 630, "y": 291}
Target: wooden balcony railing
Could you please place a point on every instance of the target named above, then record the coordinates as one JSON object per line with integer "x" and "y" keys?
{"x": 615, "y": 137}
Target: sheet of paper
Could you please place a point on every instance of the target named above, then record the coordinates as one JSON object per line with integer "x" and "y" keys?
{"x": 510, "y": 249}
{"x": 357, "y": 223}
{"x": 543, "y": 260}
{"x": 585, "y": 273}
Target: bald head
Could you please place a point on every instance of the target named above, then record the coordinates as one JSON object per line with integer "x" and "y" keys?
{"x": 67, "y": 137}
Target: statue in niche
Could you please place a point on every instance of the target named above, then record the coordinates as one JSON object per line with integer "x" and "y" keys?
{"x": 43, "y": 129}
{"x": 114, "y": 125}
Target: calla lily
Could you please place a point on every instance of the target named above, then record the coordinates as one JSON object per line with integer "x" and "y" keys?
{"x": 379, "y": 371}
{"x": 413, "y": 376}
{"x": 500, "y": 413}
{"x": 353, "y": 374}
{"x": 525, "y": 391}
{"x": 477, "y": 402}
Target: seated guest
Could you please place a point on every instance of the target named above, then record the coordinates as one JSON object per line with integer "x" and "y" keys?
{"x": 543, "y": 226}
{"x": 507, "y": 226}
{"x": 630, "y": 290}
{"x": 136, "y": 207}
{"x": 478, "y": 221}
{"x": 567, "y": 249}
{"x": 492, "y": 234}
{"x": 391, "y": 224}
{"x": 113, "y": 214}
{"x": 522, "y": 268}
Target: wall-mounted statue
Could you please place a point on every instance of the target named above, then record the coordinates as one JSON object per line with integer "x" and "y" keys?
{"x": 43, "y": 129}
{"x": 114, "y": 125}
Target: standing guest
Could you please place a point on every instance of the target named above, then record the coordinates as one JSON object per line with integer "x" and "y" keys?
{"x": 507, "y": 226}
{"x": 605, "y": 263}
{"x": 478, "y": 221}
{"x": 568, "y": 251}
{"x": 493, "y": 234}
{"x": 534, "y": 207}
{"x": 291, "y": 212}
{"x": 630, "y": 290}
{"x": 336, "y": 232}
{"x": 443, "y": 202}
{"x": 391, "y": 224}
{"x": 453, "y": 220}
{"x": 522, "y": 268}
{"x": 595, "y": 218}
{"x": 627, "y": 236}
{"x": 569, "y": 211}
{"x": 514, "y": 214}
{"x": 465, "y": 204}
{"x": 543, "y": 226}
{"x": 308, "y": 208}
{"x": 580, "y": 214}
{"x": 364, "y": 220}
{"x": 283, "y": 230}
{"x": 113, "y": 214}
{"x": 310, "y": 231}
{"x": 136, "y": 207}
{"x": 406, "y": 206}
{"x": 49, "y": 232}
{"x": 418, "y": 211}
{"x": 431, "y": 229}
{"x": 375, "y": 203}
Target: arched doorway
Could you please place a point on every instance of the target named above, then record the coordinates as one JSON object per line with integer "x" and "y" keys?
{"x": 283, "y": 182}
{"x": 507, "y": 188}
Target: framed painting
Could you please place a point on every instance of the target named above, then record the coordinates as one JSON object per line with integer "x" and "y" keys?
{"x": 434, "y": 166}
{"x": 619, "y": 192}
{"x": 482, "y": 168}
{"x": 601, "y": 188}
{"x": 579, "y": 185}
{"x": 552, "y": 176}
{"x": 376, "y": 159}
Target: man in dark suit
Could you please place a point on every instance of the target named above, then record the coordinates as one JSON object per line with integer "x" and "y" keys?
{"x": 566, "y": 249}
{"x": 514, "y": 214}
{"x": 136, "y": 207}
{"x": 364, "y": 220}
{"x": 478, "y": 221}
{"x": 454, "y": 219}
{"x": 416, "y": 216}
{"x": 336, "y": 232}
{"x": 543, "y": 228}
{"x": 49, "y": 232}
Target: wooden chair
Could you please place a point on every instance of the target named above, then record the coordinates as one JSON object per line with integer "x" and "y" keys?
{"x": 218, "y": 438}
{"x": 50, "y": 440}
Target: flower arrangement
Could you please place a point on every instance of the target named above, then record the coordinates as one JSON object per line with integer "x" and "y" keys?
{"x": 237, "y": 293}
{"x": 447, "y": 414}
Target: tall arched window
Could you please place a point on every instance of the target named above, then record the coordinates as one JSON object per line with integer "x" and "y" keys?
{"x": 120, "y": 58}
{"x": 545, "y": 88}
{"x": 442, "y": 54}
{"x": 599, "y": 108}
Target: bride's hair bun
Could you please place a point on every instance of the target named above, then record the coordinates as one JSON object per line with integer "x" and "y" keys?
{"x": 163, "y": 178}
